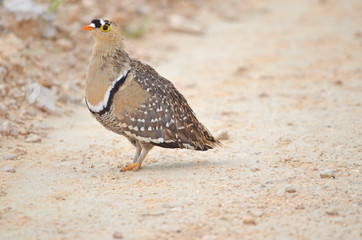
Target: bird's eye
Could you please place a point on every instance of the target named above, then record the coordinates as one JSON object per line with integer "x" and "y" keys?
{"x": 105, "y": 28}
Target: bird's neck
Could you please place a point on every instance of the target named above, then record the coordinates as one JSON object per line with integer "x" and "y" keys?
{"x": 110, "y": 51}
{"x": 107, "y": 48}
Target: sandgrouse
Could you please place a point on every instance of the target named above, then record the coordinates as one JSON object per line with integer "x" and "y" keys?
{"x": 130, "y": 98}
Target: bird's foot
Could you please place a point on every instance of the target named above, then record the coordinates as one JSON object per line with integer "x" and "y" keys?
{"x": 134, "y": 167}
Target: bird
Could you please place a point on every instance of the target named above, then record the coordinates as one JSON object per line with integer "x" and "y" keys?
{"x": 130, "y": 98}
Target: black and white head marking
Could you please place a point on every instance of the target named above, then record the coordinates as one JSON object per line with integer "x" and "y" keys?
{"x": 97, "y": 23}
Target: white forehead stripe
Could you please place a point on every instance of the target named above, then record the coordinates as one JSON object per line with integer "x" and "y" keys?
{"x": 103, "y": 104}
{"x": 102, "y": 21}
{"x": 92, "y": 25}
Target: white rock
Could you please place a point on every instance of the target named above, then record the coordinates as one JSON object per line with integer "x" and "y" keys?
{"x": 48, "y": 28}
{"x": 64, "y": 44}
{"x": 182, "y": 24}
{"x": 10, "y": 157}
{"x": 8, "y": 169}
{"x": 4, "y": 89}
{"x": 117, "y": 235}
{"x": 332, "y": 212}
{"x": 9, "y": 129}
{"x": 3, "y": 72}
{"x": 290, "y": 190}
{"x": 41, "y": 96}
{"x": 224, "y": 135}
{"x": 3, "y": 108}
{"x": 11, "y": 54}
{"x": 32, "y": 138}
{"x": 23, "y": 9}
{"x": 328, "y": 173}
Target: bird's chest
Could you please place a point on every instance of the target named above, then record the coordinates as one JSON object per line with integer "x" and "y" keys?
{"x": 98, "y": 86}
{"x": 109, "y": 121}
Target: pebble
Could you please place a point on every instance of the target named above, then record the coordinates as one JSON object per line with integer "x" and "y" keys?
{"x": 33, "y": 138}
{"x": 48, "y": 29}
{"x": 290, "y": 190}
{"x": 64, "y": 44}
{"x": 41, "y": 96}
{"x": 23, "y": 9}
{"x": 46, "y": 82}
{"x": 255, "y": 169}
{"x": 8, "y": 169}
{"x": 3, "y": 72}
{"x": 4, "y": 89}
{"x": 3, "y": 108}
{"x": 10, "y": 157}
{"x": 7, "y": 128}
{"x": 328, "y": 173}
{"x": 224, "y": 135}
{"x": 181, "y": 24}
{"x": 20, "y": 151}
{"x": 60, "y": 197}
{"x": 3, "y": 193}
{"x": 167, "y": 205}
{"x": 332, "y": 212}
{"x": 249, "y": 220}
{"x": 117, "y": 235}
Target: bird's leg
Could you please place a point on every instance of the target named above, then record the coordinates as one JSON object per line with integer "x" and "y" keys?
{"x": 137, "y": 165}
{"x": 138, "y": 151}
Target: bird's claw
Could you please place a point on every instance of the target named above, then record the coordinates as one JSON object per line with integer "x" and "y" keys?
{"x": 134, "y": 167}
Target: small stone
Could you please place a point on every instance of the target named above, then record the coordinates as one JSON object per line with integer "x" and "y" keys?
{"x": 117, "y": 235}
{"x": 4, "y": 89}
{"x": 167, "y": 205}
{"x": 338, "y": 82}
{"x": 182, "y": 24}
{"x": 332, "y": 212}
{"x": 24, "y": 131}
{"x": 328, "y": 173}
{"x": 3, "y": 108}
{"x": 241, "y": 70}
{"x": 9, "y": 129}
{"x": 3, "y": 72}
{"x": 249, "y": 220}
{"x": 60, "y": 197}
{"x": 290, "y": 190}
{"x": 41, "y": 96}
{"x": 64, "y": 44}
{"x": 48, "y": 29}
{"x": 224, "y": 135}
{"x": 46, "y": 82}
{"x": 3, "y": 193}
{"x": 23, "y": 9}
{"x": 8, "y": 169}
{"x": 300, "y": 207}
{"x": 10, "y": 157}
{"x": 263, "y": 95}
{"x": 19, "y": 151}
{"x": 255, "y": 169}
{"x": 33, "y": 138}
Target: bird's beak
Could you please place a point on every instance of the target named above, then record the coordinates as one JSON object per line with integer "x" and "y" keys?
{"x": 89, "y": 28}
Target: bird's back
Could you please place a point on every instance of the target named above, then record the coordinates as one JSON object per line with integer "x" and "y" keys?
{"x": 151, "y": 109}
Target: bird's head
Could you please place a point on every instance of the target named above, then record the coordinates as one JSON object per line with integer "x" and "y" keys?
{"x": 104, "y": 30}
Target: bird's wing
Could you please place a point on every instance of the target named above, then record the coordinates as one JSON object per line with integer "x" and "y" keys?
{"x": 164, "y": 116}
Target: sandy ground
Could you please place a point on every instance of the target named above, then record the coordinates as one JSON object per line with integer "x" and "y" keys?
{"x": 284, "y": 83}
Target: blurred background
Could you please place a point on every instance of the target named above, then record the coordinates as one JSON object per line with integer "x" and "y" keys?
{"x": 44, "y": 53}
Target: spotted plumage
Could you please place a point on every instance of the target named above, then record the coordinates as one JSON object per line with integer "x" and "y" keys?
{"x": 132, "y": 99}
